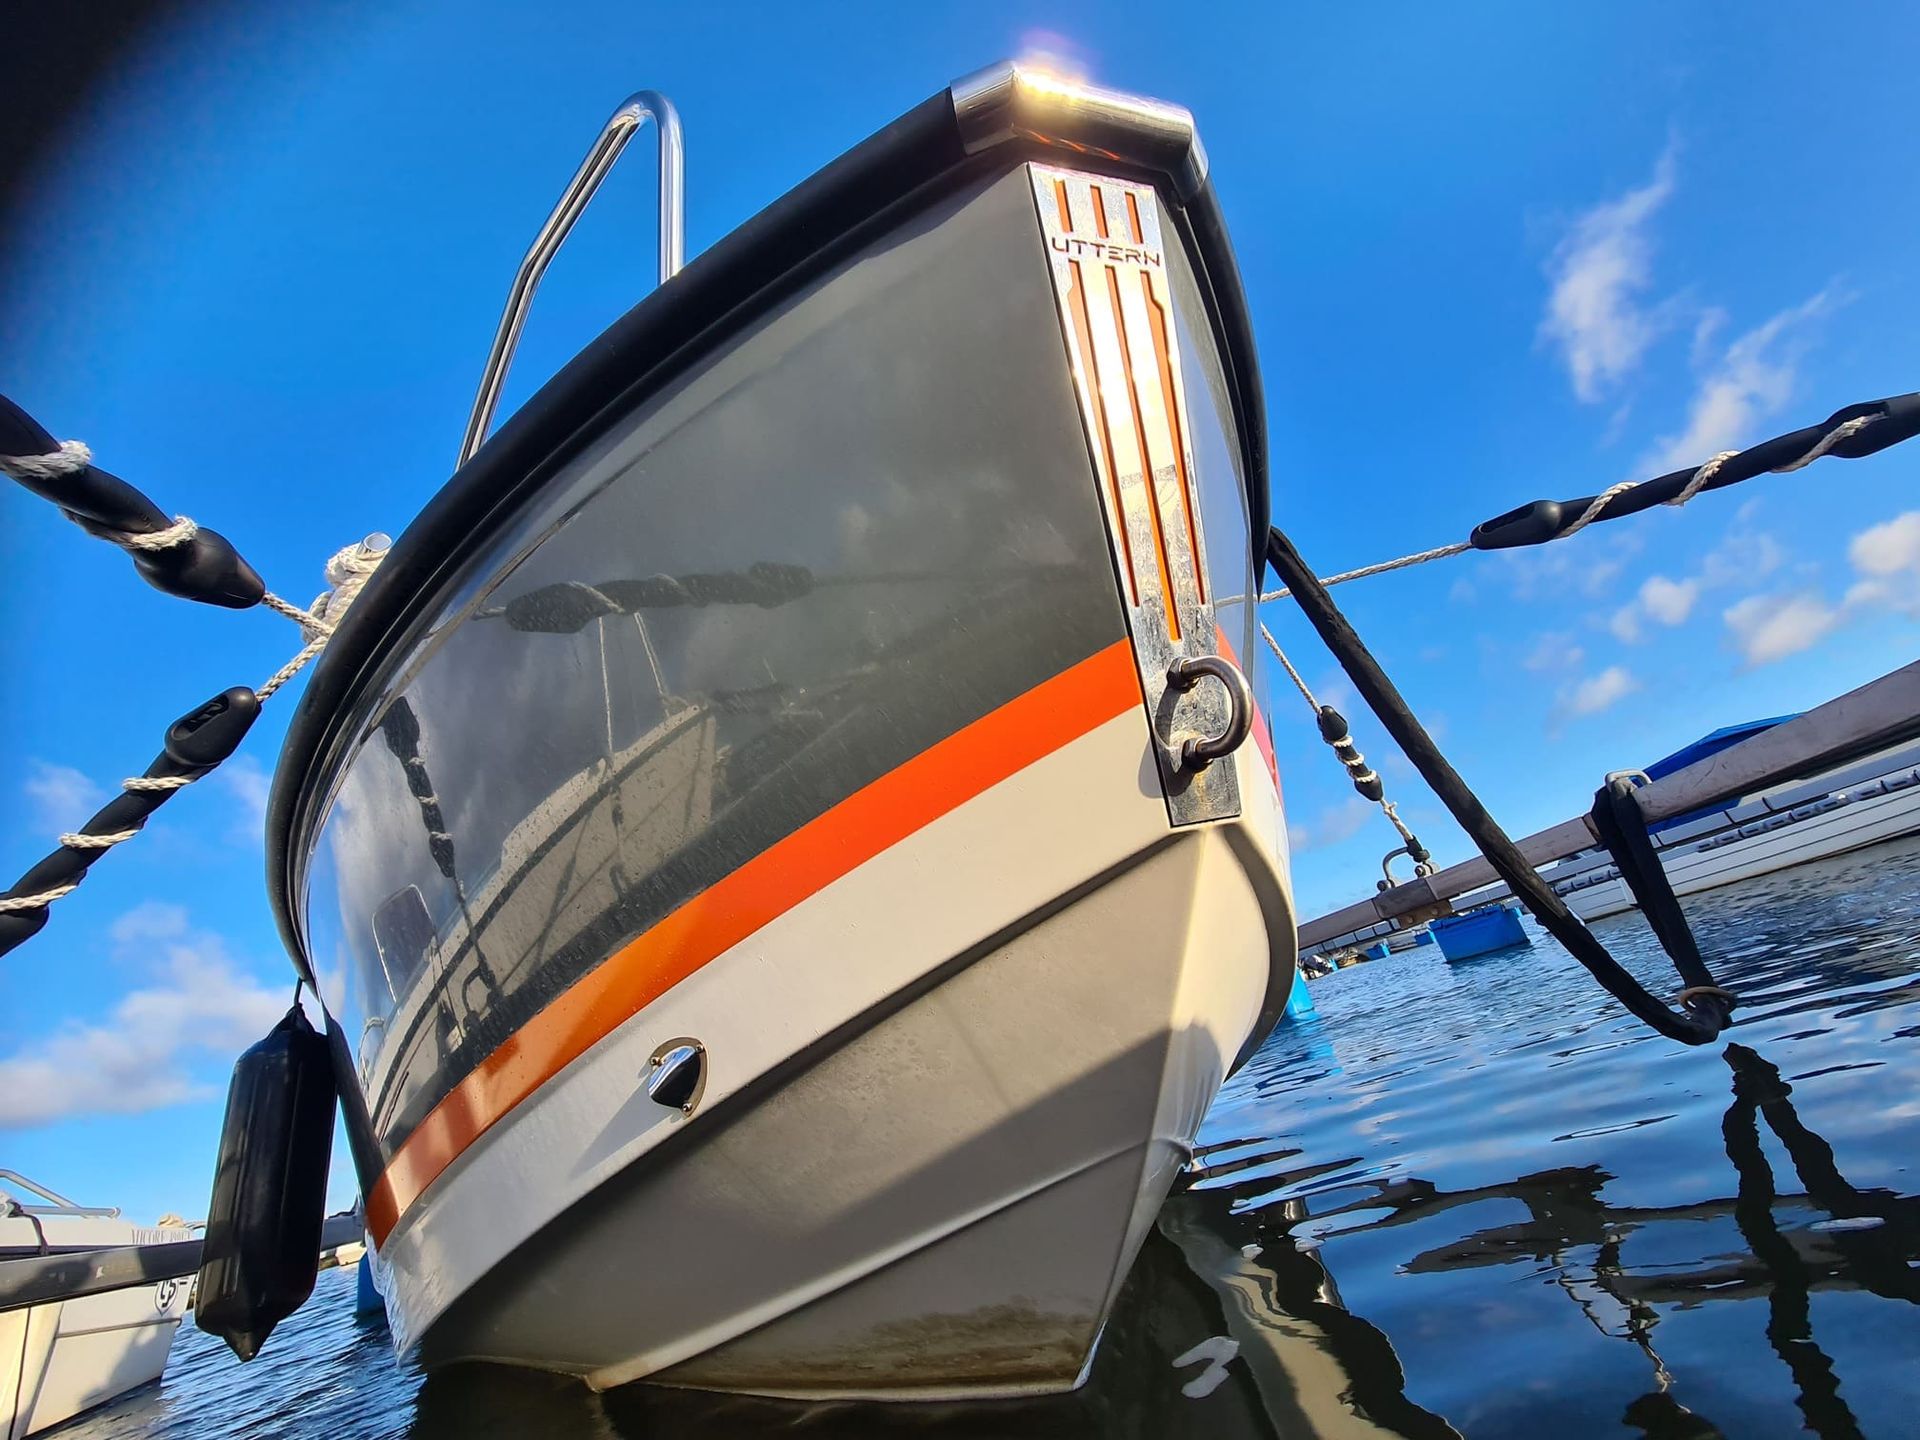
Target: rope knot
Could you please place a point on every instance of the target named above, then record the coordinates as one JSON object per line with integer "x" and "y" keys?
{"x": 348, "y": 571}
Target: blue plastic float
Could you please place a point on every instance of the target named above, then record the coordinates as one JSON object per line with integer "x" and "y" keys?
{"x": 1476, "y": 932}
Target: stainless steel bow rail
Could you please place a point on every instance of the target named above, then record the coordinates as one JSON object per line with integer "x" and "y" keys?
{"x": 1619, "y": 818}
{"x": 621, "y": 126}
{"x": 181, "y": 558}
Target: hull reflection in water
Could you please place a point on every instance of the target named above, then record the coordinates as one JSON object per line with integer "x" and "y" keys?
{"x": 787, "y": 816}
{"x": 1732, "y": 1245}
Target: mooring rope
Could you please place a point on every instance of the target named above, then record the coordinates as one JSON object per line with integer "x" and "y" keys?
{"x": 347, "y": 572}
{"x": 1836, "y": 432}
{"x": 1366, "y": 781}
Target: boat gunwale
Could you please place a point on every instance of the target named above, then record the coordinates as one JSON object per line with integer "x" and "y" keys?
{"x": 908, "y": 166}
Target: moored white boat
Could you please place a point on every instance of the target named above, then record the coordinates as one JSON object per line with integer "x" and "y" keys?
{"x": 63, "y": 1357}
{"x": 1870, "y": 800}
{"x": 790, "y": 816}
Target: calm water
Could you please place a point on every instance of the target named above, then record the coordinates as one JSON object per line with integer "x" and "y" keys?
{"x": 1465, "y": 1199}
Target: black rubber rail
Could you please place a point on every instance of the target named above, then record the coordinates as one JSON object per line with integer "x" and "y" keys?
{"x": 1887, "y": 422}
{"x": 203, "y": 566}
{"x": 1706, "y": 1006}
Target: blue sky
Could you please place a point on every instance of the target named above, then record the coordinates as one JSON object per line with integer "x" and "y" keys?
{"x": 1493, "y": 255}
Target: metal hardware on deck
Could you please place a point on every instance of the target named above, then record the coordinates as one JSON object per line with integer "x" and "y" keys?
{"x": 1421, "y": 868}
{"x": 1199, "y": 751}
{"x": 57, "y": 1204}
{"x": 677, "y": 1074}
{"x": 1106, "y": 248}
{"x": 640, "y": 107}
{"x": 1015, "y": 100}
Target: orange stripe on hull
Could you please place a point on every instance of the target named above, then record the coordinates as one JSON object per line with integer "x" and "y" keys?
{"x": 1262, "y": 729}
{"x": 1170, "y": 398}
{"x": 1131, "y": 394}
{"x": 933, "y": 783}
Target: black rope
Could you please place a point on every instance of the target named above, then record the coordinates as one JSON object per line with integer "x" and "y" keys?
{"x": 1705, "y": 1014}
{"x": 203, "y": 567}
{"x": 1617, "y": 819}
{"x": 1891, "y": 421}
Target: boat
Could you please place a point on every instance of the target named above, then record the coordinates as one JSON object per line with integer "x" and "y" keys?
{"x": 1864, "y": 802}
{"x": 62, "y": 1357}
{"x": 1479, "y": 931}
{"x": 786, "y": 834}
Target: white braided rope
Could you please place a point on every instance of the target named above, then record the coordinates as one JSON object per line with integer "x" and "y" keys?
{"x": 82, "y": 840}
{"x": 348, "y": 571}
{"x": 71, "y": 458}
{"x": 305, "y": 619}
{"x": 1442, "y": 552}
{"x": 1392, "y": 810}
{"x": 178, "y": 533}
{"x": 1287, "y": 665}
{"x": 1596, "y": 505}
{"x": 1700, "y": 477}
{"x": 1839, "y": 432}
{"x": 152, "y": 784}
{"x": 13, "y": 904}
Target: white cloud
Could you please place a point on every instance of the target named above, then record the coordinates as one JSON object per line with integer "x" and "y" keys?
{"x": 138, "y": 1058}
{"x": 1668, "y": 601}
{"x": 1889, "y": 547}
{"x": 1766, "y": 628}
{"x": 1585, "y": 567}
{"x": 1597, "y": 692}
{"x": 1886, "y": 565}
{"x": 1330, "y": 827}
{"x": 62, "y": 797}
{"x": 1553, "y": 650}
{"x": 248, "y": 782}
{"x": 1748, "y": 381}
{"x": 1742, "y": 556}
{"x": 1887, "y": 559}
{"x": 1600, "y": 271}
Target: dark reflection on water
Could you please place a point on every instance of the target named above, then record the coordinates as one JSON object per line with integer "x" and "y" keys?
{"x": 1462, "y": 1200}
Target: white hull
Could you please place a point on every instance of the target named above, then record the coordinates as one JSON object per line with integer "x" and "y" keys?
{"x": 1699, "y": 866}
{"x": 68, "y": 1356}
{"x": 959, "y": 1100}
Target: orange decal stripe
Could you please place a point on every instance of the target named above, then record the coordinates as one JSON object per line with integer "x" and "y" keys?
{"x": 1083, "y": 332}
{"x": 936, "y": 781}
{"x": 1262, "y": 729}
{"x": 1170, "y": 393}
{"x": 1157, "y": 522}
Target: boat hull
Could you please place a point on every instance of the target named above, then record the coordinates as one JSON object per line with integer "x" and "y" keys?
{"x": 924, "y": 1154}
{"x": 848, "y": 734}
{"x": 60, "y": 1359}
{"x": 1694, "y": 869}
{"x": 945, "y": 1201}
